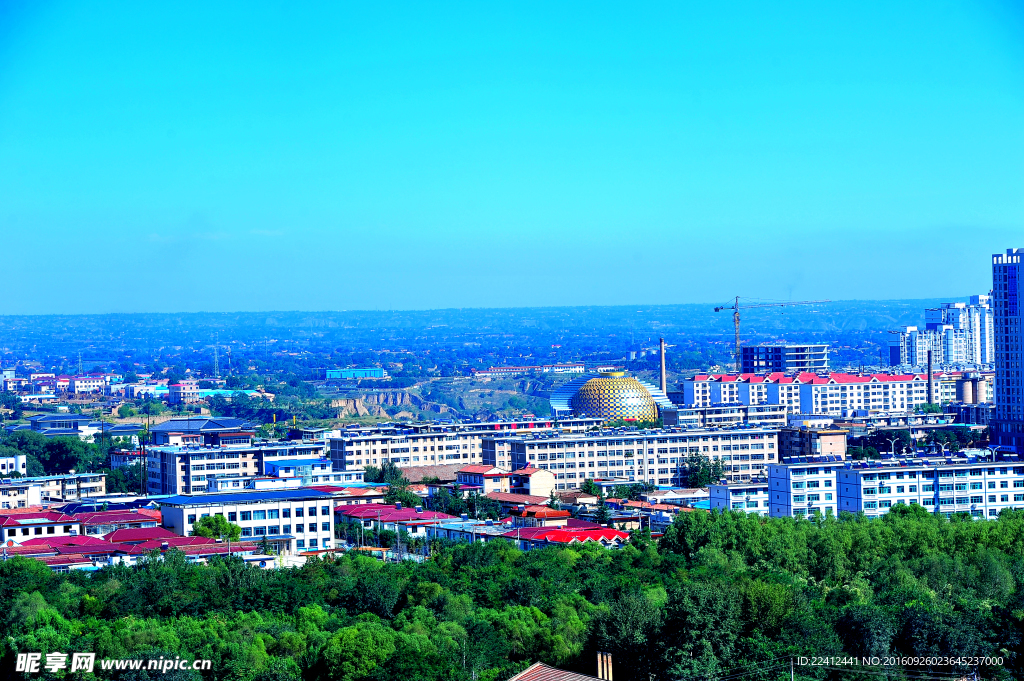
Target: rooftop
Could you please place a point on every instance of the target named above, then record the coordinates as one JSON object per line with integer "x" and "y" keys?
{"x": 244, "y": 497}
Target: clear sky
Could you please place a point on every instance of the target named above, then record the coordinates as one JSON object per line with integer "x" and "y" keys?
{"x": 210, "y": 156}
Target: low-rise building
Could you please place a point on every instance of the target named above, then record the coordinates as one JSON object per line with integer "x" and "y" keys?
{"x": 751, "y": 496}
{"x": 801, "y": 442}
{"x": 289, "y": 520}
{"x": 802, "y": 490}
{"x": 22, "y": 527}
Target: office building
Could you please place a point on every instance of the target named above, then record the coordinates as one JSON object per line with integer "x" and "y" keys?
{"x": 196, "y": 469}
{"x": 787, "y": 358}
{"x": 289, "y": 520}
{"x": 1008, "y": 428}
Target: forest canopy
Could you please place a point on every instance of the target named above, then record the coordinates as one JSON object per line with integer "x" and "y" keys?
{"x": 720, "y": 592}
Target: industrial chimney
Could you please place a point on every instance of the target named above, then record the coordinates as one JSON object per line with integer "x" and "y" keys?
{"x": 604, "y": 666}
{"x": 664, "y": 385}
{"x": 931, "y": 380}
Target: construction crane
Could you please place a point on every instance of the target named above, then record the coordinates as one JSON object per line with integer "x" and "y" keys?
{"x": 736, "y": 307}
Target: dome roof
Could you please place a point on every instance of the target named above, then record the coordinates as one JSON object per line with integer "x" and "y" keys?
{"x": 614, "y": 396}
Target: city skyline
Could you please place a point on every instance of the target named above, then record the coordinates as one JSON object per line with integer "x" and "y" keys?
{"x": 251, "y": 159}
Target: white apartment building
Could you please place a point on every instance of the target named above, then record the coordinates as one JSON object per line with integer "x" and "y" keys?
{"x": 952, "y": 485}
{"x": 290, "y": 520}
{"x": 751, "y": 497}
{"x": 13, "y": 464}
{"x": 653, "y": 456}
{"x": 834, "y": 394}
{"x": 955, "y": 333}
{"x": 800, "y": 490}
{"x": 431, "y": 444}
{"x": 18, "y": 493}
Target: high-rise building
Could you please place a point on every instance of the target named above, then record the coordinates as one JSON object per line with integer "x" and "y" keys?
{"x": 955, "y": 333}
{"x": 1008, "y": 426}
{"x": 788, "y": 358}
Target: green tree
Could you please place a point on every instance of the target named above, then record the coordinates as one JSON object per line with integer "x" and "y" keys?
{"x": 701, "y": 471}
{"x": 215, "y": 527}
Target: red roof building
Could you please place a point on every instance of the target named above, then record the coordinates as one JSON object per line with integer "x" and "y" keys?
{"x": 536, "y": 537}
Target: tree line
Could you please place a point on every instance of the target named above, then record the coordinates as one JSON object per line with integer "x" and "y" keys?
{"x": 722, "y": 595}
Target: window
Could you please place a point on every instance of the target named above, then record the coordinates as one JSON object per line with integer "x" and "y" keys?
{"x": 272, "y": 514}
{"x": 246, "y": 515}
{"x": 273, "y": 529}
{"x": 298, "y": 513}
{"x": 326, "y": 527}
{"x": 286, "y": 513}
{"x": 312, "y": 511}
{"x": 326, "y": 510}
{"x": 300, "y": 543}
{"x": 312, "y": 543}
{"x": 232, "y": 516}
{"x": 192, "y": 519}
{"x": 259, "y": 515}
{"x": 246, "y": 531}
{"x": 286, "y": 529}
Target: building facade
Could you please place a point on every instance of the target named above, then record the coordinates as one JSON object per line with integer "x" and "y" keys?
{"x": 654, "y": 456}
{"x": 787, "y": 358}
{"x": 289, "y": 520}
{"x": 1008, "y": 427}
{"x": 432, "y": 444}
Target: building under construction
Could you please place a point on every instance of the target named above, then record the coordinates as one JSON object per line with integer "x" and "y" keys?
{"x": 788, "y": 358}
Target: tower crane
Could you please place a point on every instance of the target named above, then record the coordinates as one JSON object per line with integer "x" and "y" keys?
{"x": 736, "y": 307}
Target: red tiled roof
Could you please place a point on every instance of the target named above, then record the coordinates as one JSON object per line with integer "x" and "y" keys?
{"x": 36, "y": 518}
{"x": 511, "y": 498}
{"x": 529, "y": 470}
{"x": 63, "y": 541}
{"x": 147, "y": 546}
{"x": 107, "y": 517}
{"x": 478, "y": 468}
{"x": 540, "y": 512}
{"x": 390, "y": 514}
{"x": 138, "y": 534}
{"x": 542, "y": 672}
{"x": 565, "y": 535}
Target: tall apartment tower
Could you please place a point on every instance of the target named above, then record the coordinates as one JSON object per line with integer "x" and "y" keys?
{"x": 1008, "y": 425}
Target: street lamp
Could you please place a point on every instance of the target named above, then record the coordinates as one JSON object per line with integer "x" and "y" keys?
{"x": 892, "y": 444}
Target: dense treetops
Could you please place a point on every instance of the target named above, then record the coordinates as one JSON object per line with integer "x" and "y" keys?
{"x": 722, "y": 592}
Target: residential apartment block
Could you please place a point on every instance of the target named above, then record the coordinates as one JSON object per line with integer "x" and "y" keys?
{"x": 786, "y": 358}
{"x": 430, "y": 444}
{"x": 955, "y": 333}
{"x": 834, "y": 394}
{"x": 751, "y": 496}
{"x": 653, "y": 456}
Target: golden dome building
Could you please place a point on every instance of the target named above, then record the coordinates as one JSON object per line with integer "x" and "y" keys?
{"x": 611, "y": 396}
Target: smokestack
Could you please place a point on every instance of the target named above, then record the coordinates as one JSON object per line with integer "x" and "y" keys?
{"x": 604, "y": 666}
{"x": 664, "y": 385}
{"x": 931, "y": 380}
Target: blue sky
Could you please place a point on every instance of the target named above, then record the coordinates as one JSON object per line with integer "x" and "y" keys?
{"x": 254, "y": 156}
